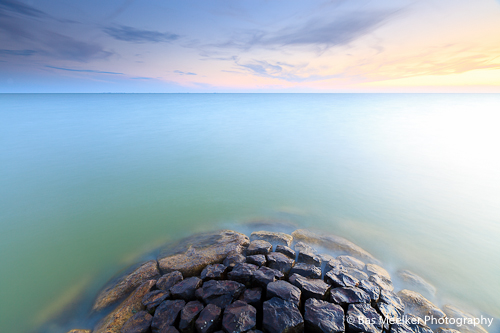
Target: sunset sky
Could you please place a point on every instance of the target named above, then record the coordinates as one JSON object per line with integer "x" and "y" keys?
{"x": 250, "y": 46}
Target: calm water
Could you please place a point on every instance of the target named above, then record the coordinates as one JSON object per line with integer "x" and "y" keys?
{"x": 87, "y": 182}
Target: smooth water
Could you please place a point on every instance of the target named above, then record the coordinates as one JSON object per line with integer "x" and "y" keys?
{"x": 89, "y": 181}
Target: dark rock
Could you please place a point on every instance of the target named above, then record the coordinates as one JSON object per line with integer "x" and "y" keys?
{"x": 154, "y": 298}
{"x": 351, "y": 262}
{"x": 388, "y": 311}
{"x": 220, "y": 293}
{"x": 189, "y": 256}
{"x": 188, "y": 316}
{"x": 363, "y": 318}
{"x": 209, "y": 319}
{"x": 258, "y": 259}
{"x": 138, "y": 323}
{"x": 265, "y": 275}
{"x": 259, "y": 247}
{"x": 382, "y": 282}
{"x": 239, "y": 317}
{"x": 186, "y": 288}
{"x": 400, "y": 328}
{"x": 340, "y": 279}
{"x": 214, "y": 272}
{"x": 281, "y": 316}
{"x": 275, "y": 238}
{"x": 370, "y": 288}
{"x": 233, "y": 259}
{"x": 286, "y": 251}
{"x": 280, "y": 262}
{"x": 167, "y": 314}
{"x": 169, "y": 329}
{"x": 116, "y": 290}
{"x": 284, "y": 290}
{"x": 349, "y": 295}
{"x": 253, "y": 296}
{"x": 417, "y": 325}
{"x": 169, "y": 280}
{"x": 307, "y": 255}
{"x": 392, "y": 299}
{"x": 321, "y": 316}
{"x": 114, "y": 321}
{"x": 418, "y": 305}
{"x": 310, "y": 288}
{"x": 356, "y": 273}
{"x": 242, "y": 273}
{"x": 306, "y": 270}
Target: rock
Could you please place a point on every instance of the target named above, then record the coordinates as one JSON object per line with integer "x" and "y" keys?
{"x": 239, "y": 317}
{"x": 258, "y": 259}
{"x": 389, "y": 297}
{"x": 370, "y": 288}
{"x": 418, "y": 305}
{"x": 363, "y": 318}
{"x": 382, "y": 282}
{"x": 335, "y": 266}
{"x": 126, "y": 284}
{"x": 233, "y": 259}
{"x": 242, "y": 273}
{"x": 214, "y": 272}
{"x": 259, "y": 247}
{"x": 138, "y": 323}
{"x": 280, "y": 262}
{"x": 154, "y": 298}
{"x": 356, "y": 273}
{"x": 341, "y": 279}
{"x": 169, "y": 329}
{"x": 284, "y": 290}
{"x": 186, "y": 288}
{"x": 446, "y": 330}
{"x": 310, "y": 288}
{"x": 191, "y": 255}
{"x": 351, "y": 262}
{"x": 417, "y": 283}
{"x": 220, "y": 292}
{"x": 265, "y": 275}
{"x": 79, "y": 331}
{"x": 373, "y": 269}
{"x": 114, "y": 321}
{"x": 253, "y": 296}
{"x": 417, "y": 325}
{"x": 307, "y": 254}
{"x": 275, "y": 238}
{"x": 188, "y": 316}
{"x": 169, "y": 280}
{"x": 388, "y": 311}
{"x": 306, "y": 270}
{"x": 286, "y": 251}
{"x": 281, "y": 316}
{"x": 400, "y": 328}
{"x": 466, "y": 327}
{"x": 167, "y": 314}
{"x": 334, "y": 243}
{"x": 348, "y": 295}
{"x": 321, "y": 316}
{"x": 209, "y": 319}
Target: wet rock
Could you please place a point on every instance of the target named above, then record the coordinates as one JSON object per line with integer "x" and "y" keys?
{"x": 167, "y": 314}
{"x": 356, "y": 273}
{"x": 275, "y": 238}
{"x": 418, "y": 305}
{"x": 456, "y": 313}
{"x": 191, "y": 255}
{"x": 259, "y": 247}
{"x": 417, "y": 325}
{"x": 388, "y": 311}
{"x": 220, "y": 292}
{"x": 154, "y": 298}
{"x": 417, "y": 283}
{"x": 389, "y": 297}
{"x": 284, "y": 290}
{"x": 310, "y": 288}
{"x": 335, "y": 266}
{"x": 239, "y": 317}
{"x": 258, "y": 259}
{"x": 373, "y": 269}
{"x": 382, "y": 282}
{"x": 169, "y": 280}
{"x": 334, "y": 243}
{"x": 400, "y": 328}
{"x": 138, "y": 323}
{"x": 306, "y": 270}
{"x": 307, "y": 254}
{"x": 209, "y": 319}
{"x": 349, "y": 295}
{"x": 233, "y": 259}
{"x": 214, "y": 272}
{"x": 126, "y": 284}
{"x": 363, "y": 318}
{"x": 370, "y": 288}
{"x": 280, "y": 262}
{"x": 351, "y": 262}
{"x": 114, "y": 321}
{"x": 265, "y": 275}
{"x": 281, "y": 316}
{"x": 286, "y": 251}
{"x": 186, "y": 288}
{"x": 253, "y": 296}
{"x": 242, "y": 273}
{"x": 188, "y": 316}
{"x": 340, "y": 279}
{"x": 321, "y": 316}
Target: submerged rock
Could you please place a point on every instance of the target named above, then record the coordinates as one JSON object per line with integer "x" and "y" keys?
{"x": 169, "y": 280}
{"x": 167, "y": 314}
{"x": 281, "y": 316}
{"x": 466, "y": 327}
{"x": 239, "y": 317}
{"x": 417, "y": 283}
{"x": 280, "y": 262}
{"x": 322, "y": 316}
{"x": 284, "y": 290}
{"x": 191, "y": 255}
{"x": 418, "y": 305}
{"x": 259, "y": 247}
{"x": 220, "y": 292}
{"x": 139, "y": 323}
{"x": 275, "y": 238}
{"x": 209, "y": 319}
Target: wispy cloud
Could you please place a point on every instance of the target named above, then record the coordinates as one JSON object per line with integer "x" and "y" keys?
{"x": 24, "y": 53}
{"x": 83, "y": 70}
{"x": 184, "y": 73}
{"x": 20, "y": 8}
{"x": 130, "y": 34}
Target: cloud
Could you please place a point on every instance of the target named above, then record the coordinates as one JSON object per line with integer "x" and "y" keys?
{"x": 130, "y": 34}
{"x": 24, "y": 53}
{"x": 20, "y": 8}
{"x": 83, "y": 70}
{"x": 184, "y": 73}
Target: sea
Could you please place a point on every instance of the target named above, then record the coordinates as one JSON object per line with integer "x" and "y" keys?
{"x": 91, "y": 182}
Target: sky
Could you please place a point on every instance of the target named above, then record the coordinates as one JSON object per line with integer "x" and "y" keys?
{"x": 249, "y": 46}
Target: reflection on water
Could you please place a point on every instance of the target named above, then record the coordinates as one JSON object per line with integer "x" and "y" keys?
{"x": 89, "y": 180}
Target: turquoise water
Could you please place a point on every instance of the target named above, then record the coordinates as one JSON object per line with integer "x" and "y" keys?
{"x": 87, "y": 182}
